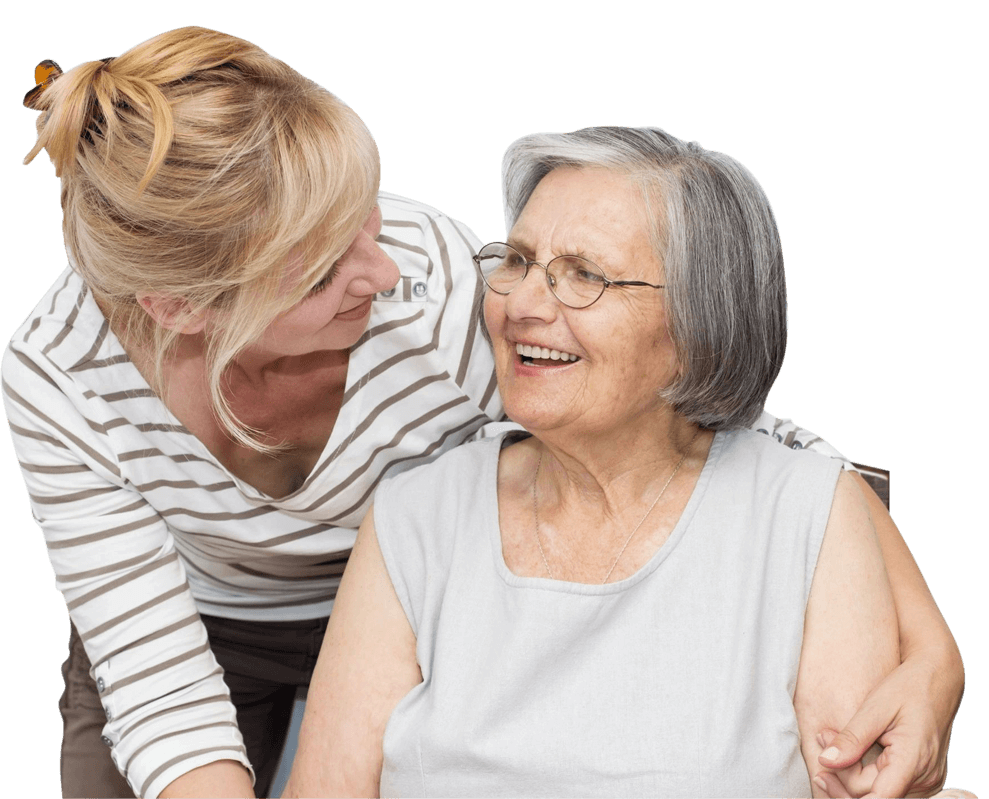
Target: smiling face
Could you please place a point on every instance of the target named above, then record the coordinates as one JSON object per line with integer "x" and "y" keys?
{"x": 335, "y": 313}
{"x": 623, "y": 351}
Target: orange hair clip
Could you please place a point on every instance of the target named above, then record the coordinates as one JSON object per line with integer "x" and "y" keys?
{"x": 44, "y": 74}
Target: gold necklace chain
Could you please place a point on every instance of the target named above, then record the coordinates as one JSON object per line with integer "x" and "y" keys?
{"x": 618, "y": 557}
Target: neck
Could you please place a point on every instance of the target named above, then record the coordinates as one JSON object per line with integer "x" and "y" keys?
{"x": 185, "y": 360}
{"x": 620, "y": 467}
{"x": 255, "y": 370}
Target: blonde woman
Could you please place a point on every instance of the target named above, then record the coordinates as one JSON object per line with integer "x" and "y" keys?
{"x": 204, "y": 403}
{"x": 248, "y": 339}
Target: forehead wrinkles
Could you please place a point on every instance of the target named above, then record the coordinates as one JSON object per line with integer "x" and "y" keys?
{"x": 570, "y": 216}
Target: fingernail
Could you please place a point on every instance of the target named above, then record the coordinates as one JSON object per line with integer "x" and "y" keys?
{"x": 820, "y": 783}
{"x": 831, "y": 753}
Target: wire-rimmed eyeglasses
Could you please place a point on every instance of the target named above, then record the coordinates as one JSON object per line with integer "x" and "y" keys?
{"x": 574, "y": 281}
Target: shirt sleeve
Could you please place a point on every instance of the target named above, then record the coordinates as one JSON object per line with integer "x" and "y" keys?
{"x": 461, "y": 333}
{"x": 795, "y": 437}
{"x": 168, "y": 709}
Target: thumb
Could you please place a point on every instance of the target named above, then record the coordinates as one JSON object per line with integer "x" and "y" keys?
{"x": 849, "y": 745}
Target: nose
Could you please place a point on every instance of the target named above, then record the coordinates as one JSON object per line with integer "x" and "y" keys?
{"x": 373, "y": 269}
{"x": 532, "y": 298}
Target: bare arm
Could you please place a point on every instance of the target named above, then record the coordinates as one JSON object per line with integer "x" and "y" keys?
{"x": 921, "y": 626}
{"x": 911, "y": 711}
{"x": 366, "y": 665}
{"x": 222, "y": 778}
{"x": 850, "y": 630}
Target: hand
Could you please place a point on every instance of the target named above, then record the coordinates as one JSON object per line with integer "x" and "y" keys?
{"x": 909, "y": 715}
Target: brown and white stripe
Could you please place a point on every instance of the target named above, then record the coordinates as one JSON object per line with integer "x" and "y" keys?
{"x": 145, "y": 528}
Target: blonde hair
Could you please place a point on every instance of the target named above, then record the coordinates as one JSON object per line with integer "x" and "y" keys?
{"x": 191, "y": 166}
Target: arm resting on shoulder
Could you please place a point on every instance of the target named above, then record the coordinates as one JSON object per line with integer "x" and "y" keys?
{"x": 850, "y": 630}
{"x": 366, "y": 665}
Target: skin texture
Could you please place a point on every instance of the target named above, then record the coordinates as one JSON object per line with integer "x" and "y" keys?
{"x": 911, "y": 711}
{"x": 850, "y": 633}
{"x": 366, "y": 665}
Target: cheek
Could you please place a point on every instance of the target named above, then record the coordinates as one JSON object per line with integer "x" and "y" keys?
{"x": 308, "y": 316}
{"x": 664, "y": 353}
{"x": 494, "y": 321}
{"x": 494, "y": 315}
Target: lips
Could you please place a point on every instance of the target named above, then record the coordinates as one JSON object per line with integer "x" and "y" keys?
{"x": 357, "y": 312}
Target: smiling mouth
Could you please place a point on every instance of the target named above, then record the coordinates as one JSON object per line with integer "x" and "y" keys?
{"x": 531, "y": 355}
{"x": 358, "y": 312}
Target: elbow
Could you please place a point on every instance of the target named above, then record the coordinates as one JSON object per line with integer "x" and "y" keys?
{"x": 954, "y": 668}
{"x": 947, "y": 658}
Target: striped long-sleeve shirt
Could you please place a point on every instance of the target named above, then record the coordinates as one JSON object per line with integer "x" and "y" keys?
{"x": 145, "y": 528}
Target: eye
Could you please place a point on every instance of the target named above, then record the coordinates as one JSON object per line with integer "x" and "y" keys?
{"x": 497, "y": 260}
{"x": 588, "y": 276}
{"x": 324, "y": 282}
{"x": 502, "y": 259}
{"x": 581, "y": 270}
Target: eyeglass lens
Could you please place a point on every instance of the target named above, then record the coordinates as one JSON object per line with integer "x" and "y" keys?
{"x": 574, "y": 281}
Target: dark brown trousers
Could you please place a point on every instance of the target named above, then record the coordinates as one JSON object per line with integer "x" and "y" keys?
{"x": 263, "y": 662}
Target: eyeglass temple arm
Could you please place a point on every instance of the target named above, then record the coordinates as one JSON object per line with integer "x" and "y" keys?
{"x": 632, "y": 283}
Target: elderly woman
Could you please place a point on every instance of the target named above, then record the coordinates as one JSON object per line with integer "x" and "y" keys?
{"x": 249, "y": 337}
{"x": 639, "y": 596}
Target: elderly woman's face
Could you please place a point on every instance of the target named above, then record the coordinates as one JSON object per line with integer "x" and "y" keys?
{"x": 624, "y": 352}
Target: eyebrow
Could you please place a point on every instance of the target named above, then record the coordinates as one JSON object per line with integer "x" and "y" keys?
{"x": 598, "y": 259}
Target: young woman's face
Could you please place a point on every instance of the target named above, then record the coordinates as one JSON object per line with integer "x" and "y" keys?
{"x": 335, "y": 313}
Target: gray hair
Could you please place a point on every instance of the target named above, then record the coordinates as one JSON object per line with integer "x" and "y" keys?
{"x": 716, "y": 236}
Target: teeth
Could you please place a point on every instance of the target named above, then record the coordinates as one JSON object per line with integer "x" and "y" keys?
{"x": 529, "y": 351}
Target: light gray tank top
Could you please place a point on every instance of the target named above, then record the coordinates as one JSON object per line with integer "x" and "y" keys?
{"x": 677, "y": 681}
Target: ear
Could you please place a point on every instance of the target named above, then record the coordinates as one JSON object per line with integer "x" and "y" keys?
{"x": 173, "y": 313}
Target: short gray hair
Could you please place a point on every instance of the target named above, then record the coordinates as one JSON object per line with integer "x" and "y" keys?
{"x": 716, "y": 236}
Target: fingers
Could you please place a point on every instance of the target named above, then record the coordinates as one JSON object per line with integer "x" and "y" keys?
{"x": 829, "y": 782}
{"x": 893, "y": 780}
{"x": 846, "y": 749}
{"x": 849, "y": 745}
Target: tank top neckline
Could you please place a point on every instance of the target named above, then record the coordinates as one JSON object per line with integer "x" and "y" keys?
{"x": 682, "y": 527}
